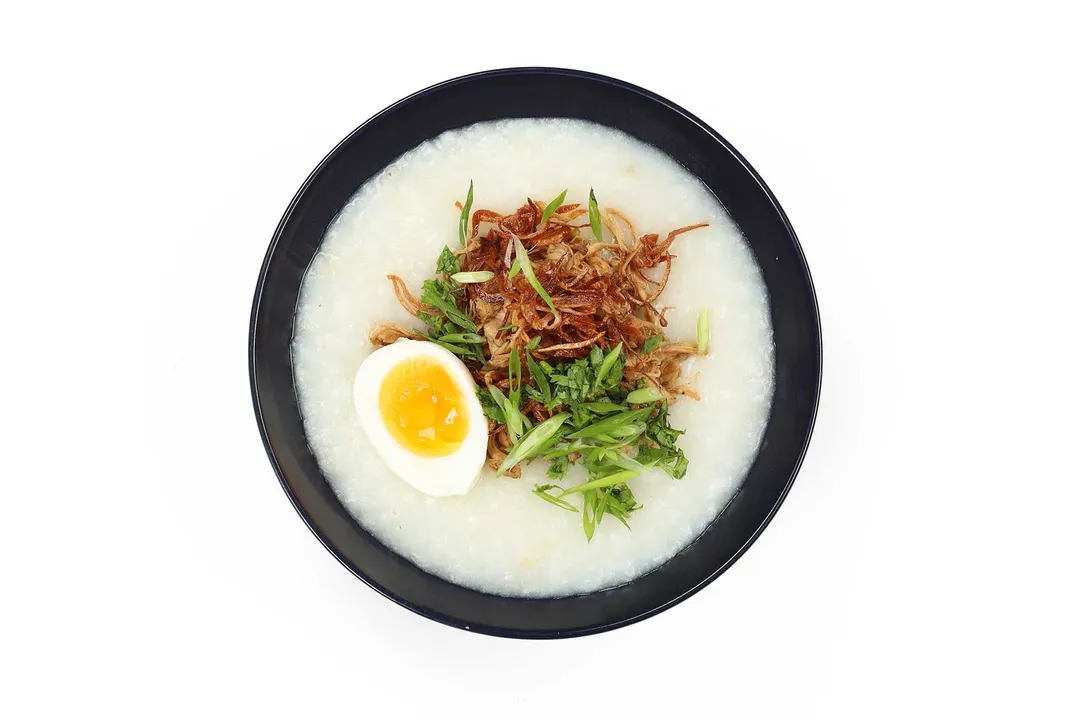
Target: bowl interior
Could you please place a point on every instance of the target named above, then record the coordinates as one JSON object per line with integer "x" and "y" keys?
{"x": 538, "y": 93}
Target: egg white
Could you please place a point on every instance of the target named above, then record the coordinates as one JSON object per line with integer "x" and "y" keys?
{"x": 453, "y": 474}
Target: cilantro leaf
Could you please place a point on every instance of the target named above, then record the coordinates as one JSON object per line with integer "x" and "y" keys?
{"x": 448, "y": 263}
{"x": 440, "y": 294}
{"x": 651, "y": 344}
{"x": 559, "y": 466}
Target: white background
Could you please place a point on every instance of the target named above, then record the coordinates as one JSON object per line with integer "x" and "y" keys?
{"x": 925, "y": 562}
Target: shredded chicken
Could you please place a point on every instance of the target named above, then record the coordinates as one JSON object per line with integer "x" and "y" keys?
{"x": 388, "y": 333}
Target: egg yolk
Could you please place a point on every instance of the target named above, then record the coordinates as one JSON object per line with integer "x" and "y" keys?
{"x": 423, "y": 408}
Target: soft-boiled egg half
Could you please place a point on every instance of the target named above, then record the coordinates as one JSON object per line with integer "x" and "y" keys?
{"x": 417, "y": 405}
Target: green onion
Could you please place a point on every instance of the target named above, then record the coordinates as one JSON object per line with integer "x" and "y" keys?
{"x": 479, "y": 276}
{"x": 515, "y": 421}
{"x": 513, "y": 369}
{"x": 533, "y": 344}
{"x": 644, "y": 395}
{"x": 533, "y": 442}
{"x": 551, "y": 207}
{"x": 510, "y": 409}
{"x": 515, "y": 268}
{"x": 563, "y": 452}
{"x": 630, "y": 430}
{"x": 498, "y": 395}
{"x": 539, "y": 377}
{"x": 541, "y": 491}
{"x": 456, "y": 349}
{"x": 588, "y": 523}
{"x": 606, "y": 481}
{"x": 463, "y": 226}
{"x": 601, "y": 407}
{"x": 526, "y": 267}
{"x": 609, "y": 423}
{"x": 628, "y": 463}
{"x": 469, "y": 338}
{"x": 703, "y": 331}
{"x": 601, "y": 506}
{"x": 594, "y": 218}
{"x": 609, "y": 362}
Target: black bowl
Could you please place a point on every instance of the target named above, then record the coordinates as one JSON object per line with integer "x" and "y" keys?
{"x": 538, "y": 92}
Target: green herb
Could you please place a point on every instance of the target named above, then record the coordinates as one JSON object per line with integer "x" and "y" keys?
{"x": 515, "y": 268}
{"x": 526, "y": 267}
{"x": 470, "y": 338}
{"x": 600, "y": 507}
{"x": 514, "y": 371}
{"x": 626, "y": 462}
{"x": 594, "y": 217}
{"x": 515, "y": 422}
{"x": 456, "y": 349}
{"x": 480, "y": 276}
{"x": 563, "y": 450}
{"x": 448, "y": 262}
{"x": 673, "y": 462}
{"x": 511, "y": 413}
{"x": 539, "y": 377}
{"x": 552, "y": 207}
{"x": 601, "y": 407}
{"x": 619, "y": 501}
{"x": 492, "y": 408}
{"x": 660, "y": 431}
{"x": 651, "y": 344}
{"x": 511, "y": 326}
{"x": 437, "y": 324}
{"x": 610, "y": 423}
{"x": 644, "y": 395}
{"x": 533, "y": 344}
{"x": 558, "y": 467}
{"x": 659, "y": 445}
{"x": 541, "y": 491}
{"x": 703, "y": 331}
{"x": 463, "y": 226}
{"x": 607, "y": 481}
{"x": 588, "y": 522}
{"x": 625, "y": 432}
{"x": 606, "y": 366}
{"x": 440, "y": 294}
{"x": 533, "y": 443}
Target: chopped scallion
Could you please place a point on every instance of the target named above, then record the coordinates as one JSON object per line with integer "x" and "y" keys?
{"x": 526, "y": 267}
{"x": 607, "y": 481}
{"x": 594, "y": 217}
{"x": 551, "y": 207}
{"x": 533, "y": 442}
{"x": 644, "y": 395}
{"x": 480, "y": 276}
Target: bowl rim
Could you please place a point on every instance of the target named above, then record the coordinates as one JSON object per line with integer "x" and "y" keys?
{"x": 258, "y": 406}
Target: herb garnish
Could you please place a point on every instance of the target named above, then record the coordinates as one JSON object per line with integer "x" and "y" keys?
{"x": 588, "y": 389}
{"x": 521, "y": 256}
{"x": 594, "y": 218}
{"x": 651, "y": 344}
{"x": 464, "y": 278}
{"x": 552, "y": 207}
{"x": 463, "y": 225}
